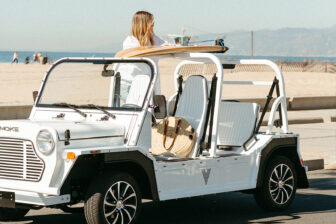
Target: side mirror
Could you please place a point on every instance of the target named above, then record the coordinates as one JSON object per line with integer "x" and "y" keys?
{"x": 160, "y": 110}
{"x": 35, "y": 93}
{"x": 108, "y": 73}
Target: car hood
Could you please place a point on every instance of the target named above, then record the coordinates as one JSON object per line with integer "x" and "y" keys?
{"x": 78, "y": 130}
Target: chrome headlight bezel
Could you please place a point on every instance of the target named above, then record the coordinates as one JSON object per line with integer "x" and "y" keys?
{"x": 45, "y": 142}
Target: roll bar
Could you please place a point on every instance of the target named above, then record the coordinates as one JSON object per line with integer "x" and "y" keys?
{"x": 202, "y": 58}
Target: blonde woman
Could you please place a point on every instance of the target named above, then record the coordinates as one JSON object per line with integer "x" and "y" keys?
{"x": 142, "y": 34}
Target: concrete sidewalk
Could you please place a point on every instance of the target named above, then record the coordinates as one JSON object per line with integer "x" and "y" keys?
{"x": 317, "y": 143}
{"x": 317, "y": 129}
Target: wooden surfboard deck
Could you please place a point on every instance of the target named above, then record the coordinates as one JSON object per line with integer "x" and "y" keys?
{"x": 163, "y": 50}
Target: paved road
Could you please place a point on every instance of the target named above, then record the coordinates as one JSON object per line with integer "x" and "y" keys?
{"x": 314, "y": 205}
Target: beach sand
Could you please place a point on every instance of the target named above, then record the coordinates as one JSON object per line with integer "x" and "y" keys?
{"x": 18, "y": 81}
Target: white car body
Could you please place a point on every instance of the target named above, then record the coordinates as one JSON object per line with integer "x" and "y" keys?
{"x": 127, "y": 138}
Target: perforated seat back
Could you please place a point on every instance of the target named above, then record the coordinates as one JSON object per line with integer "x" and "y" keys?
{"x": 138, "y": 90}
{"x": 192, "y": 105}
{"x": 237, "y": 121}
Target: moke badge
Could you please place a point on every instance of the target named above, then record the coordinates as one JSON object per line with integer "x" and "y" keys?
{"x": 206, "y": 174}
{"x": 4, "y": 128}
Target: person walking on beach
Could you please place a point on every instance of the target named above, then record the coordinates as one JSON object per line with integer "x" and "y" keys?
{"x": 35, "y": 58}
{"x": 15, "y": 57}
{"x": 142, "y": 34}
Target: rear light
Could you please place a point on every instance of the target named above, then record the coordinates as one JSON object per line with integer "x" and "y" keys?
{"x": 302, "y": 163}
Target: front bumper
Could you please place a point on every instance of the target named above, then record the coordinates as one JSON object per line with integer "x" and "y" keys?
{"x": 32, "y": 198}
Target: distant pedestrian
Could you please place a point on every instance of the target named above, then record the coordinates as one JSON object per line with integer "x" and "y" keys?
{"x": 26, "y": 60}
{"x": 15, "y": 57}
{"x": 35, "y": 58}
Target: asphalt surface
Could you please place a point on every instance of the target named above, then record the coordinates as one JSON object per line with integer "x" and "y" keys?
{"x": 316, "y": 204}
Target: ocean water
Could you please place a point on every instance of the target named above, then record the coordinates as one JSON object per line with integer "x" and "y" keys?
{"x": 285, "y": 59}
{"x": 6, "y": 56}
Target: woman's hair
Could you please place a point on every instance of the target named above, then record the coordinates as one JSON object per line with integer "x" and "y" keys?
{"x": 142, "y": 27}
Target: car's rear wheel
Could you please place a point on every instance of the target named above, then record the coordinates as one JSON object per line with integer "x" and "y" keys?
{"x": 279, "y": 185}
{"x": 12, "y": 214}
{"x": 113, "y": 198}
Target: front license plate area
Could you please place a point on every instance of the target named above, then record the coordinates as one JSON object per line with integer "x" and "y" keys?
{"x": 7, "y": 199}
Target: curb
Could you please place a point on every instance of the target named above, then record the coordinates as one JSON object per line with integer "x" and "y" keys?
{"x": 330, "y": 167}
{"x": 315, "y": 164}
{"x": 301, "y": 121}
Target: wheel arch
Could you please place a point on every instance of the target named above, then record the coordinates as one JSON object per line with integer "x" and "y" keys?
{"x": 282, "y": 147}
{"x": 142, "y": 176}
{"x": 88, "y": 167}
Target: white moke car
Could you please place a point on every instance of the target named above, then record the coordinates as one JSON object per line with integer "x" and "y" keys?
{"x": 88, "y": 139}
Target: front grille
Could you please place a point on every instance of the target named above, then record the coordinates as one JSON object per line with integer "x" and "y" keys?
{"x": 18, "y": 160}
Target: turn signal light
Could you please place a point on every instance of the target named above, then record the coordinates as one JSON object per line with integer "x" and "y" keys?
{"x": 71, "y": 155}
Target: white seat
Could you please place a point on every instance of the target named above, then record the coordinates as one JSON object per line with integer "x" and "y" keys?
{"x": 138, "y": 90}
{"x": 237, "y": 121}
{"x": 192, "y": 106}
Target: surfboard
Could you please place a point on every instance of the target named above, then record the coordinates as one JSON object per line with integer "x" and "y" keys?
{"x": 163, "y": 50}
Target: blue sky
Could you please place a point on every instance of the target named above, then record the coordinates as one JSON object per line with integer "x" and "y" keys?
{"x": 101, "y": 25}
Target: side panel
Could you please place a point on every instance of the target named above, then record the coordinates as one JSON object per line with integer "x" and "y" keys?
{"x": 205, "y": 176}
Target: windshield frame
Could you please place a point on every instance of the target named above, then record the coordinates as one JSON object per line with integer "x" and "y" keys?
{"x": 97, "y": 61}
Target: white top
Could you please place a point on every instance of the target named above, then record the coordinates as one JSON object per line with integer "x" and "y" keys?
{"x": 15, "y": 55}
{"x": 131, "y": 42}
{"x": 130, "y": 71}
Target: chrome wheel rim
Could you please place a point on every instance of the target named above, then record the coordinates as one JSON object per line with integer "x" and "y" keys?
{"x": 281, "y": 184}
{"x": 120, "y": 203}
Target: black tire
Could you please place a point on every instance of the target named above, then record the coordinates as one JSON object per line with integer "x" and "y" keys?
{"x": 12, "y": 214}
{"x": 113, "y": 196}
{"x": 279, "y": 185}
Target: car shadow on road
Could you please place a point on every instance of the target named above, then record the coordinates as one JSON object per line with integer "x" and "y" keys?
{"x": 227, "y": 207}
{"x": 233, "y": 208}
{"x": 220, "y": 208}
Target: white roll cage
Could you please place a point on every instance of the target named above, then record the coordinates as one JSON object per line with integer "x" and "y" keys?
{"x": 206, "y": 58}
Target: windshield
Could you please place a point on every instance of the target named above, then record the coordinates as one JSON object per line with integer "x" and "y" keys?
{"x": 80, "y": 83}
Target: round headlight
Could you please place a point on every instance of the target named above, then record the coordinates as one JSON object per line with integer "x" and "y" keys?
{"x": 45, "y": 142}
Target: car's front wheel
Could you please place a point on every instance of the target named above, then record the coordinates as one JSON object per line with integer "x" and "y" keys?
{"x": 279, "y": 185}
{"x": 113, "y": 198}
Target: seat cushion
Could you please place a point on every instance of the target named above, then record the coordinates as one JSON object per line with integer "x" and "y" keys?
{"x": 192, "y": 106}
{"x": 193, "y": 101}
{"x": 237, "y": 122}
